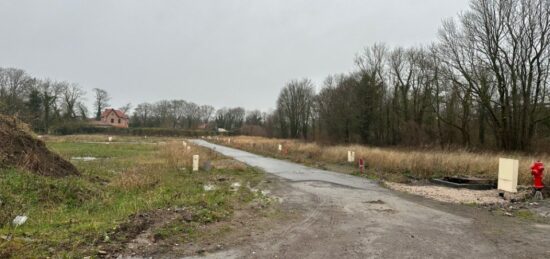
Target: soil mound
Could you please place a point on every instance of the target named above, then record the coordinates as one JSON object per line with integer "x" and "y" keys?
{"x": 19, "y": 148}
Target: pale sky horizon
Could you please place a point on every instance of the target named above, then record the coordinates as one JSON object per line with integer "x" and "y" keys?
{"x": 225, "y": 53}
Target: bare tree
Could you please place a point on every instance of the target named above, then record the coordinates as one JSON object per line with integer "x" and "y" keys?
{"x": 142, "y": 114}
{"x": 500, "y": 50}
{"x": 101, "y": 101}
{"x": 14, "y": 85}
{"x": 295, "y": 106}
{"x": 71, "y": 94}
{"x": 51, "y": 92}
{"x": 254, "y": 118}
{"x": 206, "y": 112}
{"x": 126, "y": 108}
{"x": 82, "y": 111}
{"x": 230, "y": 119}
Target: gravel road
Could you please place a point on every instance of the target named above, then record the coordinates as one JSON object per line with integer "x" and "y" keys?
{"x": 351, "y": 217}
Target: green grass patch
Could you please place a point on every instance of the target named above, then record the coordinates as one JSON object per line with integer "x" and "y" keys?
{"x": 100, "y": 150}
{"x": 70, "y": 217}
{"x": 525, "y": 214}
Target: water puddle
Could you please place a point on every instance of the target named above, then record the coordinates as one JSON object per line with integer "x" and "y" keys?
{"x": 84, "y": 158}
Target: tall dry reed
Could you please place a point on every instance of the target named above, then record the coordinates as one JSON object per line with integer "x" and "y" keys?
{"x": 418, "y": 163}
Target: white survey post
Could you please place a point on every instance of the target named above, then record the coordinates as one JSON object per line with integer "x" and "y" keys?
{"x": 195, "y": 163}
{"x": 508, "y": 175}
{"x": 351, "y": 156}
{"x": 280, "y": 148}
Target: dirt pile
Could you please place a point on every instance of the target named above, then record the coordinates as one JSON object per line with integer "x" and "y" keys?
{"x": 18, "y": 148}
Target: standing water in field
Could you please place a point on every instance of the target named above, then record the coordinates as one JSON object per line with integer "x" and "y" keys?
{"x": 84, "y": 158}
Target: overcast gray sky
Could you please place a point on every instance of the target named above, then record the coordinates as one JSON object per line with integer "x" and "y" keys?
{"x": 223, "y": 53}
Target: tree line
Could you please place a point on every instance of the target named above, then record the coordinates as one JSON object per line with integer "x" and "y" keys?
{"x": 45, "y": 103}
{"x": 181, "y": 114}
{"x": 41, "y": 103}
{"x": 483, "y": 83}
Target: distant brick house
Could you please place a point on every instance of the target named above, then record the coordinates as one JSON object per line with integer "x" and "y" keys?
{"x": 115, "y": 118}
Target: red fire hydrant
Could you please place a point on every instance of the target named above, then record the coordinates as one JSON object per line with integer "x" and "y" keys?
{"x": 537, "y": 170}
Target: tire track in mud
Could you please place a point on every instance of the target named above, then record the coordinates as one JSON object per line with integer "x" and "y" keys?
{"x": 294, "y": 230}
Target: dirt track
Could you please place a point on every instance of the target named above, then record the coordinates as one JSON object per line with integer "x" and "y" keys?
{"x": 350, "y": 217}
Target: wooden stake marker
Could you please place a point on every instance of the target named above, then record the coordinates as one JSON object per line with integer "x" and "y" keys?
{"x": 195, "y": 163}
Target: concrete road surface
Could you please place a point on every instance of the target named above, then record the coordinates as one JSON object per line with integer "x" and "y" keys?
{"x": 352, "y": 217}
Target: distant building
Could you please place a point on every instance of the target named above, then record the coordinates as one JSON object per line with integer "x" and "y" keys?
{"x": 203, "y": 126}
{"x": 115, "y": 118}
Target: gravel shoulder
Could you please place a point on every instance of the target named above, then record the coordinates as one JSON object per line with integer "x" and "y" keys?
{"x": 451, "y": 195}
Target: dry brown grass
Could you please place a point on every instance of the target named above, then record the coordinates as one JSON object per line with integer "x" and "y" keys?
{"x": 418, "y": 163}
{"x": 229, "y": 164}
{"x": 135, "y": 179}
{"x": 173, "y": 155}
{"x": 177, "y": 156}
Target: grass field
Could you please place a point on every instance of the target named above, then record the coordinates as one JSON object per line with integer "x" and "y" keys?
{"x": 393, "y": 164}
{"x": 78, "y": 216}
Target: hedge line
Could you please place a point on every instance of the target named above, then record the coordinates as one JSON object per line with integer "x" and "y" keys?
{"x": 159, "y": 132}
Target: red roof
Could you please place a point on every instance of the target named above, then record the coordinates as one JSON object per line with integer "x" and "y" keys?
{"x": 118, "y": 113}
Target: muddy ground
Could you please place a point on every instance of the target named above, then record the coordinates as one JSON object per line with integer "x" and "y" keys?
{"x": 255, "y": 218}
